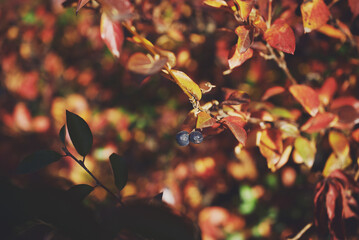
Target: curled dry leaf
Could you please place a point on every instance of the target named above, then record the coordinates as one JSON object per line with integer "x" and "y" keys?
{"x": 145, "y": 64}
{"x": 307, "y": 97}
{"x": 315, "y": 14}
{"x": 281, "y": 36}
{"x": 245, "y": 38}
{"x": 319, "y": 122}
{"x": 112, "y": 34}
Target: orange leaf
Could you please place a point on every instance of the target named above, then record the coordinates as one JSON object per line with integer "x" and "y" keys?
{"x": 216, "y": 3}
{"x": 355, "y": 135}
{"x": 319, "y": 122}
{"x": 272, "y": 92}
{"x": 281, "y": 36}
{"x": 327, "y": 91}
{"x": 239, "y": 58}
{"x": 271, "y": 146}
{"x": 188, "y": 84}
{"x": 245, "y": 38}
{"x": 333, "y": 32}
{"x": 284, "y": 157}
{"x": 112, "y": 34}
{"x": 80, "y": 4}
{"x": 307, "y": 97}
{"x": 245, "y": 7}
{"x": 235, "y": 124}
{"x": 354, "y": 7}
{"x": 146, "y": 65}
{"x": 204, "y": 120}
{"x": 315, "y": 14}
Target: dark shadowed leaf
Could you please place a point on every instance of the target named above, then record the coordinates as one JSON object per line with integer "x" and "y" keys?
{"x": 159, "y": 196}
{"x": 37, "y": 160}
{"x": 236, "y": 124}
{"x": 79, "y": 192}
{"x": 315, "y": 14}
{"x": 281, "y": 36}
{"x": 307, "y": 97}
{"x": 62, "y": 134}
{"x": 354, "y": 7}
{"x": 80, "y": 4}
{"x": 112, "y": 34}
{"x": 119, "y": 169}
{"x": 80, "y": 133}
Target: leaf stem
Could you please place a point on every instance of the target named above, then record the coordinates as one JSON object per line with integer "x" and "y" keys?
{"x": 300, "y": 234}
{"x": 269, "y": 21}
{"x": 98, "y": 182}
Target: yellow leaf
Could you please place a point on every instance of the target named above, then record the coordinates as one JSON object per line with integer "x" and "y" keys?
{"x": 187, "y": 84}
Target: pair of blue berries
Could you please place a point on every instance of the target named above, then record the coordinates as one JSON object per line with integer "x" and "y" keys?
{"x": 183, "y": 138}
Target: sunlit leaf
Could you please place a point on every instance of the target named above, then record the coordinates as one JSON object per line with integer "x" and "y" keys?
{"x": 271, "y": 146}
{"x": 355, "y": 135}
{"x": 326, "y": 92}
{"x": 315, "y": 14}
{"x": 204, "y": 120}
{"x": 62, "y": 134}
{"x": 79, "y": 192}
{"x": 339, "y": 143}
{"x": 215, "y": 3}
{"x": 112, "y": 34}
{"x": 239, "y": 58}
{"x": 354, "y": 7}
{"x": 245, "y": 38}
{"x": 307, "y": 97}
{"x": 281, "y": 36}
{"x": 288, "y": 147}
{"x": 145, "y": 64}
{"x": 333, "y": 32}
{"x": 259, "y": 23}
{"x": 188, "y": 84}
{"x": 305, "y": 151}
{"x": 80, "y": 133}
{"x": 37, "y": 160}
{"x": 270, "y": 92}
{"x": 119, "y": 169}
{"x": 235, "y": 124}
{"x": 80, "y": 4}
{"x": 171, "y": 57}
{"x": 319, "y": 122}
{"x": 334, "y": 163}
{"x": 245, "y": 7}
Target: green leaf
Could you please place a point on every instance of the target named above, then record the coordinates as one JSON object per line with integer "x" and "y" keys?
{"x": 37, "y": 161}
{"x": 79, "y": 192}
{"x": 80, "y": 133}
{"x": 119, "y": 169}
{"x": 62, "y": 134}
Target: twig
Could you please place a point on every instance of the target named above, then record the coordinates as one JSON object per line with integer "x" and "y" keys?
{"x": 300, "y": 234}
{"x": 98, "y": 182}
{"x": 269, "y": 21}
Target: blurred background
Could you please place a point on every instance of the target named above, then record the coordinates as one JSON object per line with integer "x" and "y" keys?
{"x": 53, "y": 60}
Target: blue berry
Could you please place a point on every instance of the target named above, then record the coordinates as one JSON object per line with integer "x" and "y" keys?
{"x": 196, "y": 137}
{"x": 182, "y": 138}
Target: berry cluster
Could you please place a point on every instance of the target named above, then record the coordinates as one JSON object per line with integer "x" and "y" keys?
{"x": 183, "y": 138}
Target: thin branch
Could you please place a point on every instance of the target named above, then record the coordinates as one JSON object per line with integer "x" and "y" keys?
{"x": 98, "y": 182}
{"x": 300, "y": 234}
{"x": 269, "y": 21}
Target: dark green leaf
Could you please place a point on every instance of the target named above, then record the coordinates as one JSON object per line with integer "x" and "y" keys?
{"x": 62, "y": 134}
{"x": 79, "y": 132}
{"x": 119, "y": 169}
{"x": 79, "y": 192}
{"x": 37, "y": 161}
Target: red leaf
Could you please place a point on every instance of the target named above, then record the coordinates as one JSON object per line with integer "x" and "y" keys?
{"x": 354, "y": 7}
{"x": 235, "y": 124}
{"x": 80, "y": 4}
{"x": 239, "y": 58}
{"x": 307, "y": 97}
{"x": 315, "y": 14}
{"x": 270, "y": 92}
{"x": 245, "y": 38}
{"x": 112, "y": 34}
{"x": 281, "y": 36}
{"x": 326, "y": 92}
{"x": 319, "y": 122}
